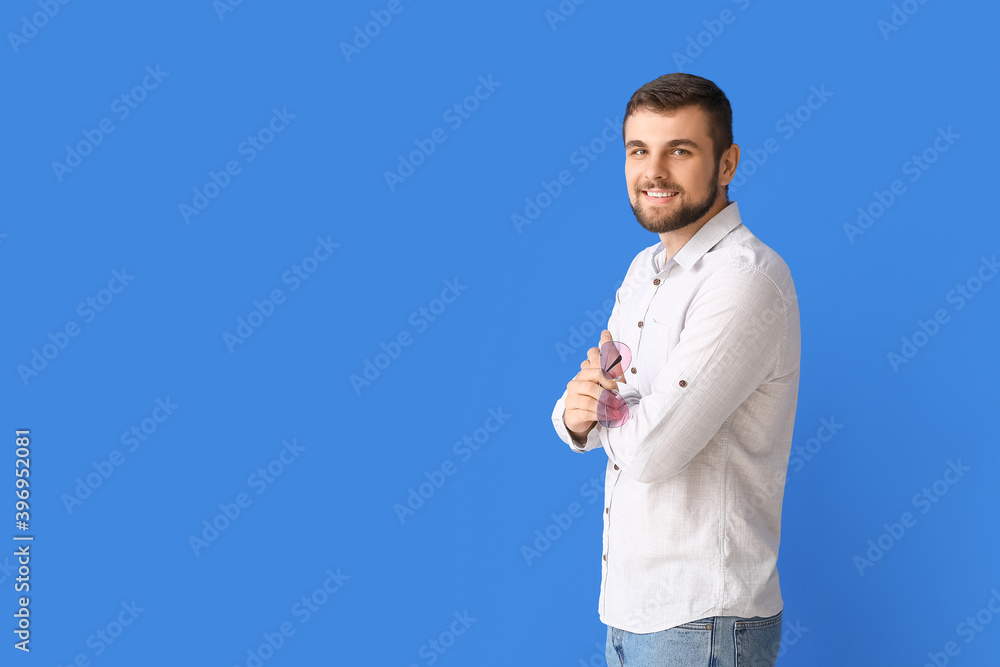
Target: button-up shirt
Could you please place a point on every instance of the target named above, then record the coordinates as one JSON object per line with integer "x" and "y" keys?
{"x": 695, "y": 477}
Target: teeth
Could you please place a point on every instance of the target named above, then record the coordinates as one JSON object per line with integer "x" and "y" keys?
{"x": 660, "y": 194}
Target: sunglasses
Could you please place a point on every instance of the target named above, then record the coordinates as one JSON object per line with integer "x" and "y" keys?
{"x": 612, "y": 410}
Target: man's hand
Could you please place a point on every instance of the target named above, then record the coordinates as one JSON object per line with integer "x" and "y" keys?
{"x": 583, "y": 391}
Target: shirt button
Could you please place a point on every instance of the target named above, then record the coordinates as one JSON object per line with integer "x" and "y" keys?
{"x": 607, "y": 510}
{"x": 656, "y": 281}
{"x": 682, "y": 383}
{"x": 640, "y": 324}
{"x": 605, "y": 556}
{"x": 616, "y": 466}
{"x": 634, "y": 371}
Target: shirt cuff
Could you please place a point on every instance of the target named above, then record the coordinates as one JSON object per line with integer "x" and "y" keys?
{"x": 593, "y": 438}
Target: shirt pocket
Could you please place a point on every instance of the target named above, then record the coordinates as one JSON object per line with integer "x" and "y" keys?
{"x": 655, "y": 343}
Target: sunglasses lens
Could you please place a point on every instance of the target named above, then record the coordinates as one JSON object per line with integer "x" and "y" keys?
{"x": 615, "y": 358}
{"x": 612, "y": 410}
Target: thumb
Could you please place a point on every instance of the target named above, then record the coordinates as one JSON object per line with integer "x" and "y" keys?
{"x": 616, "y": 368}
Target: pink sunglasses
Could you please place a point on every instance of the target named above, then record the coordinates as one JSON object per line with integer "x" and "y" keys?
{"x": 612, "y": 410}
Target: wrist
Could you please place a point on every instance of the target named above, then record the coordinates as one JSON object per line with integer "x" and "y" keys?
{"x": 578, "y": 437}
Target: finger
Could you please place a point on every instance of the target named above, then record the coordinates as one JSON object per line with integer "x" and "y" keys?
{"x": 593, "y": 364}
{"x": 581, "y": 409}
{"x": 583, "y": 419}
{"x": 582, "y": 391}
{"x": 596, "y": 379}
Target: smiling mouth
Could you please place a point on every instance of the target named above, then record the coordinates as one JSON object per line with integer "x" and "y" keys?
{"x": 660, "y": 195}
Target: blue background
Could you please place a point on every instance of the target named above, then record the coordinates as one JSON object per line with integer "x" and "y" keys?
{"x": 505, "y": 342}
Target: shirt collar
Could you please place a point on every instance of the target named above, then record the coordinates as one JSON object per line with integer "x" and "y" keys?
{"x": 703, "y": 240}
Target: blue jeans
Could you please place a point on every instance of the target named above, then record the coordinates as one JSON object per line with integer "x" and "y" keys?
{"x": 717, "y": 641}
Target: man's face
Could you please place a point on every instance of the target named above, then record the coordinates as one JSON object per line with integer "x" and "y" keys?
{"x": 670, "y": 168}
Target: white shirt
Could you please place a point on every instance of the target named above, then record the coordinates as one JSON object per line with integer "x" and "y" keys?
{"x": 695, "y": 478}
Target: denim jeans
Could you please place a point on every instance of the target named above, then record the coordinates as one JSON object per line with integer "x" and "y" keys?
{"x": 717, "y": 641}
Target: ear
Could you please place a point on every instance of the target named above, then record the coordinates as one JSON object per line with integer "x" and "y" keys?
{"x": 730, "y": 160}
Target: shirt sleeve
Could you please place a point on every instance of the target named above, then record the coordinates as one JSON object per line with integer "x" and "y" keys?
{"x": 730, "y": 345}
{"x": 593, "y": 438}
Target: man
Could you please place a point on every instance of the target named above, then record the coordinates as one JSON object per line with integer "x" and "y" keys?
{"x": 696, "y": 474}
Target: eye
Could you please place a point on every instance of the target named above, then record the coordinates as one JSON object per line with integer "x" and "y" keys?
{"x": 638, "y": 150}
{"x": 680, "y": 151}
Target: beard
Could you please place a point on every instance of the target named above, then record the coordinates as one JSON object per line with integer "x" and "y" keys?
{"x": 684, "y": 213}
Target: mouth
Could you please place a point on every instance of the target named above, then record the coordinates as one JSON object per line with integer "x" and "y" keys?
{"x": 660, "y": 196}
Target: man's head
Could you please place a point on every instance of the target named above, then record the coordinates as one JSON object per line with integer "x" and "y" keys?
{"x": 679, "y": 151}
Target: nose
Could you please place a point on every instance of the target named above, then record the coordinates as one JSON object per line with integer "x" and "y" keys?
{"x": 656, "y": 169}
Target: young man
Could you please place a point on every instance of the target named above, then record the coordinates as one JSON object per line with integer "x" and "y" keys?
{"x": 696, "y": 474}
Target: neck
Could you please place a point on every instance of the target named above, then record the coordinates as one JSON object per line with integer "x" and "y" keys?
{"x": 675, "y": 240}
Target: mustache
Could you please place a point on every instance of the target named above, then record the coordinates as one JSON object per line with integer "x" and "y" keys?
{"x": 661, "y": 186}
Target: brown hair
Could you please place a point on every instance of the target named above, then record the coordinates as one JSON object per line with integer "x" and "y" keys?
{"x": 673, "y": 91}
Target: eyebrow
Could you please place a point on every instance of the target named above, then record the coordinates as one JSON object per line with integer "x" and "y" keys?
{"x": 673, "y": 143}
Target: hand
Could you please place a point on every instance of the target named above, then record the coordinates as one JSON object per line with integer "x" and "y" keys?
{"x": 583, "y": 391}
